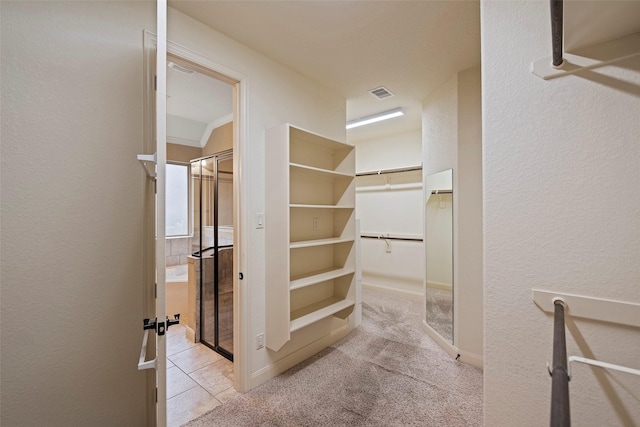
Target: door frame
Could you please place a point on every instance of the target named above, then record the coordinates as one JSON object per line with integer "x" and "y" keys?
{"x": 238, "y": 81}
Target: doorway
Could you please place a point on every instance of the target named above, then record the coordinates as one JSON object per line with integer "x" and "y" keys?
{"x": 204, "y": 370}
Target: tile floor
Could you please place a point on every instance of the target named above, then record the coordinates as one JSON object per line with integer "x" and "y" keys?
{"x": 198, "y": 378}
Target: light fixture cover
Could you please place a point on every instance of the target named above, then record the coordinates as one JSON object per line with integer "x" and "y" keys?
{"x": 396, "y": 112}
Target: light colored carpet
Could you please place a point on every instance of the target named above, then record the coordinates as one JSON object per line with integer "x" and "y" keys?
{"x": 388, "y": 372}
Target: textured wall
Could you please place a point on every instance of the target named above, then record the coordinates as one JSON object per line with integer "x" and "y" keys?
{"x": 561, "y": 163}
{"x": 72, "y": 212}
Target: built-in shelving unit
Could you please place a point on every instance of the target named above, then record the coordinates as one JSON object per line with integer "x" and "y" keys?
{"x": 310, "y": 231}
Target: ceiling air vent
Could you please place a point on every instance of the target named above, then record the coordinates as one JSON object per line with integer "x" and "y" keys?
{"x": 180, "y": 68}
{"x": 381, "y": 92}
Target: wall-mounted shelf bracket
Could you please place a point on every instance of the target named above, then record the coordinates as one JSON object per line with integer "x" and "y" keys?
{"x": 605, "y": 310}
{"x": 145, "y": 159}
{"x": 589, "y": 57}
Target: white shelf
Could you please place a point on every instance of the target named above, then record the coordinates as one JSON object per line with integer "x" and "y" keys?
{"x": 310, "y": 271}
{"x": 325, "y": 173}
{"x": 319, "y": 242}
{"x": 319, "y": 276}
{"x": 300, "y": 206}
{"x": 317, "y": 311}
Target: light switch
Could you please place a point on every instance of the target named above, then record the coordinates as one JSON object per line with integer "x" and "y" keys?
{"x": 259, "y": 220}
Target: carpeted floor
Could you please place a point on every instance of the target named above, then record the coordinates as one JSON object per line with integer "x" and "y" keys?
{"x": 388, "y": 372}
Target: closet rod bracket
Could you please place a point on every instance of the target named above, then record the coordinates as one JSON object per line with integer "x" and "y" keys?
{"x": 148, "y": 158}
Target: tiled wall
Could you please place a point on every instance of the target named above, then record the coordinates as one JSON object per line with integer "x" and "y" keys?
{"x": 177, "y": 250}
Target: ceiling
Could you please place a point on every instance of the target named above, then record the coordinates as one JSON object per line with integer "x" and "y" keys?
{"x": 350, "y": 47}
{"x": 409, "y": 47}
{"x": 196, "y": 104}
{"x": 197, "y": 97}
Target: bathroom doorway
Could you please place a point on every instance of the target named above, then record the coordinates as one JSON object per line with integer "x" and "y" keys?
{"x": 204, "y": 370}
{"x": 218, "y": 147}
{"x": 213, "y": 214}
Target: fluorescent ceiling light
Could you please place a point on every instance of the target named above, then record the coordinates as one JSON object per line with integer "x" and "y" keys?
{"x": 396, "y": 112}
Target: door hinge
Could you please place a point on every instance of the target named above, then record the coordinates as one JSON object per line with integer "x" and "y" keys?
{"x": 155, "y": 290}
{"x": 155, "y": 83}
{"x": 156, "y": 394}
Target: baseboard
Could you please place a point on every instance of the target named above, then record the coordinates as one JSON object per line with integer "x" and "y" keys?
{"x": 190, "y": 333}
{"x": 453, "y": 351}
{"x": 287, "y": 362}
{"x": 393, "y": 291}
{"x": 471, "y": 359}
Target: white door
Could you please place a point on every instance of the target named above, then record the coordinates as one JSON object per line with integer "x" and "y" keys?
{"x": 161, "y": 163}
{"x": 155, "y": 160}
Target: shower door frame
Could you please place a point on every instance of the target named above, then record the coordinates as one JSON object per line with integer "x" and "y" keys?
{"x": 217, "y": 157}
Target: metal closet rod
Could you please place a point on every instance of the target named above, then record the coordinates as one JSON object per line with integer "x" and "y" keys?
{"x": 441, "y": 191}
{"x": 380, "y": 236}
{"x": 387, "y": 171}
{"x": 557, "y": 18}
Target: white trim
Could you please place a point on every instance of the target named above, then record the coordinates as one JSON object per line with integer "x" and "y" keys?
{"x": 453, "y": 351}
{"x": 472, "y": 359}
{"x": 211, "y": 126}
{"x": 183, "y": 141}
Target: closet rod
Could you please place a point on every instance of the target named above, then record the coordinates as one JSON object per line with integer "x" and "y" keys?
{"x": 441, "y": 191}
{"x": 387, "y": 171}
{"x": 557, "y": 10}
{"x": 379, "y": 236}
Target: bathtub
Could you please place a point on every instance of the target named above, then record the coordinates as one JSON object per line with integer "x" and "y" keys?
{"x": 176, "y": 292}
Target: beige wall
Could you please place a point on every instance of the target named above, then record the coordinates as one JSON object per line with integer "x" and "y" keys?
{"x": 221, "y": 139}
{"x": 452, "y": 140}
{"x": 562, "y": 201}
{"x": 182, "y": 153}
{"x": 72, "y": 213}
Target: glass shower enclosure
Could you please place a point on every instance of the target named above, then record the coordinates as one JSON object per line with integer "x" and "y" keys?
{"x": 212, "y": 195}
